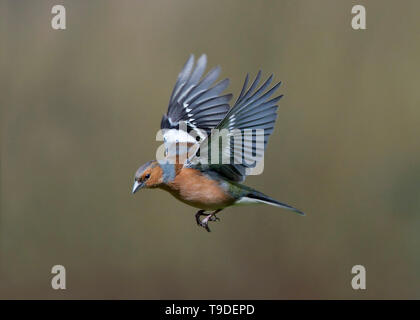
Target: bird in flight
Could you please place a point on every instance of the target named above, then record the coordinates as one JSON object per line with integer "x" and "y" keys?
{"x": 199, "y": 115}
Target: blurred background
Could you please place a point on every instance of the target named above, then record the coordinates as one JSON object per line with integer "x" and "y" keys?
{"x": 80, "y": 109}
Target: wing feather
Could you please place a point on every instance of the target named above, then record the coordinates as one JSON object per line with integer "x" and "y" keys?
{"x": 254, "y": 112}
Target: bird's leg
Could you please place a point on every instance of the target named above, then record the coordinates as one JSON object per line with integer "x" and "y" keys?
{"x": 210, "y": 217}
{"x": 213, "y": 217}
{"x": 198, "y": 215}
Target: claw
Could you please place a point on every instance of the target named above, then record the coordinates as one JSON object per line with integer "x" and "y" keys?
{"x": 205, "y": 225}
{"x": 214, "y": 218}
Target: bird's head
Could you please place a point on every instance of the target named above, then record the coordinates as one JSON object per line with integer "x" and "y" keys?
{"x": 148, "y": 175}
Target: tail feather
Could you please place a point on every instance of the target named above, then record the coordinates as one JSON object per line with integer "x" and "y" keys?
{"x": 262, "y": 198}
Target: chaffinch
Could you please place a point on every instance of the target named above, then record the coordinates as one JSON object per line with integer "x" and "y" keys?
{"x": 196, "y": 115}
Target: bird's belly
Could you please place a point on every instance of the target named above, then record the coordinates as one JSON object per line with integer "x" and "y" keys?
{"x": 200, "y": 192}
{"x": 201, "y": 200}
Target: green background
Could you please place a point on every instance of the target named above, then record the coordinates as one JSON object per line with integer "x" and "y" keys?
{"x": 80, "y": 109}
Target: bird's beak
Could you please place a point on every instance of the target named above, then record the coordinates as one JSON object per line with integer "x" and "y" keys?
{"x": 137, "y": 186}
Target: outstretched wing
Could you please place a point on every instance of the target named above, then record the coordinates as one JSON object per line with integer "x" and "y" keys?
{"x": 245, "y": 130}
{"x": 195, "y": 104}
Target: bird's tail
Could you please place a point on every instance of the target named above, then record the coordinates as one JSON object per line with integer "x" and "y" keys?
{"x": 262, "y": 198}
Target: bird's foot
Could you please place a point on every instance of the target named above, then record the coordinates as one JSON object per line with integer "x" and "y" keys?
{"x": 213, "y": 217}
{"x": 198, "y": 215}
{"x": 209, "y": 217}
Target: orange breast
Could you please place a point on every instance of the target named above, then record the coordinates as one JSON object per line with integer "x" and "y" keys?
{"x": 197, "y": 190}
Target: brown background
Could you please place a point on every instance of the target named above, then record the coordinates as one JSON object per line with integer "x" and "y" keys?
{"x": 81, "y": 107}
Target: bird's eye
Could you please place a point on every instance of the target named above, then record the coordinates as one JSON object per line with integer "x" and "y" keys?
{"x": 147, "y": 176}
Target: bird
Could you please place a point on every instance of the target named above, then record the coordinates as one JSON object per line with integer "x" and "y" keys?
{"x": 197, "y": 112}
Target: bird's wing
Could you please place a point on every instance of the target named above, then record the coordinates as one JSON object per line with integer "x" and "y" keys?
{"x": 195, "y": 103}
{"x": 246, "y": 127}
